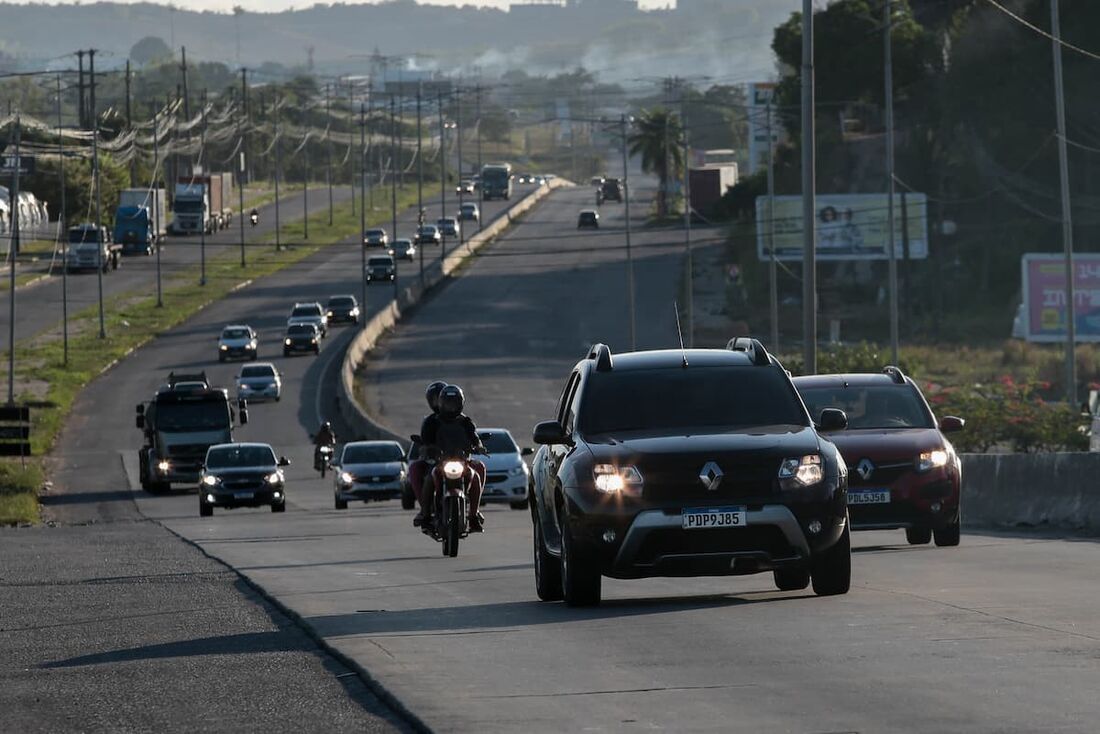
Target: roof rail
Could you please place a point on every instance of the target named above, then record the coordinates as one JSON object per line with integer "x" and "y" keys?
{"x": 602, "y": 354}
{"x": 895, "y": 373}
{"x": 753, "y": 348}
{"x": 175, "y": 377}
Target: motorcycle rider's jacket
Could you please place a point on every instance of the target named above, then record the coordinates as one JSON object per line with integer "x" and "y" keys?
{"x": 324, "y": 437}
{"x": 449, "y": 436}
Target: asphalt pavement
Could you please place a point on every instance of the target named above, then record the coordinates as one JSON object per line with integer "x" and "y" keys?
{"x": 997, "y": 635}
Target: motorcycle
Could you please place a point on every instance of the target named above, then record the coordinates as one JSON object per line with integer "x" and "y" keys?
{"x": 321, "y": 458}
{"x": 451, "y": 504}
{"x": 254, "y": 218}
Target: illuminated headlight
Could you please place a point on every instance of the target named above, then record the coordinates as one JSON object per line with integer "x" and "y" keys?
{"x": 210, "y": 498}
{"x": 355, "y": 311}
{"x": 801, "y": 472}
{"x": 163, "y": 467}
{"x": 516, "y": 471}
{"x": 210, "y": 480}
{"x": 330, "y": 314}
{"x": 276, "y": 495}
{"x": 252, "y": 344}
{"x": 273, "y": 478}
{"x": 346, "y": 478}
{"x": 287, "y": 342}
{"x": 929, "y": 460}
{"x": 223, "y": 347}
{"x": 313, "y": 340}
{"x": 453, "y": 469}
{"x": 612, "y": 479}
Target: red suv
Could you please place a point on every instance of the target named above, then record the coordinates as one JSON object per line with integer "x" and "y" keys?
{"x": 902, "y": 470}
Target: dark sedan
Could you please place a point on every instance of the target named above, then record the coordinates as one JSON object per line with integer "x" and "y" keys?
{"x": 242, "y": 475}
{"x": 342, "y": 309}
{"x": 301, "y": 338}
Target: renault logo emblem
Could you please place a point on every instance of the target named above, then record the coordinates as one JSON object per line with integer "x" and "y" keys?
{"x": 711, "y": 475}
{"x": 865, "y": 469}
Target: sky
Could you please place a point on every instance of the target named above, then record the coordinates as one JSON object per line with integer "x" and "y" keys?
{"x": 274, "y": 6}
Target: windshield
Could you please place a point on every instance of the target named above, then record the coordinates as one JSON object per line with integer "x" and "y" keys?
{"x": 229, "y": 457}
{"x": 498, "y": 443}
{"x": 301, "y": 330}
{"x": 258, "y": 371}
{"x": 187, "y": 207}
{"x": 197, "y": 416}
{"x": 495, "y": 176}
{"x": 235, "y": 334}
{"x": 696, "y": 397}
{"x": 341, "y": 302}
{"x": 373, "y": 453}
{"x": 376, "y": 233}
{"x": 871, "y": 406}
{"x": 379, "y": 261}
{"x": 310, "y": 310}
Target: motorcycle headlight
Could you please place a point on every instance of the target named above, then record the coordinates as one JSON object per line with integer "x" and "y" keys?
{"x": 210, "y": 480}
{"x": 453, "y": 469}
{"x": 929, "y": 460}
{"x": 273, "y": 478}
{"x": 800, "y": 471}
{"x": 612, "y": 479}
{"x": 287, "y": 342}
{"x": 346, "y": 478}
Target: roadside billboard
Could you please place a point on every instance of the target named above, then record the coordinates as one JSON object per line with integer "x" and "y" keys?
{"x": 849, "y": 226}
{"x": 760, "y": 96}
{"x": 1044, "y": 281}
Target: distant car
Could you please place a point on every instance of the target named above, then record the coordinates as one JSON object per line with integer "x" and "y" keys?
{"x": 610, "y": 190}
{"x": 368, "y": 470}
{"x": 525, "y": 178}
{"x": 309, "y": 313}
{"x": 260, "y": 381}
{"x": 588, "y": 218}
{"x": 428, "y": 234}
{"x": 902, "y": 470}
{"x": 465, "y": 187}
{"x": 301, "y": 338}
{"x": 449, "y": 226}
{"x": 506, "y": 474}
{"x": 469, "y": 212}
{"x": 376, "y": 237}
{"x": 242, "y": 475}
{"x": 380, "y": 267}
{"x": 342, "y": 309}
{"x": 237, "y": 340}
{"x": 404, "y": 249}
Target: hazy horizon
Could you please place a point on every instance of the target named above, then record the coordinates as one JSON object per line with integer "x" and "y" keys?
{"x": 277, "y": 6}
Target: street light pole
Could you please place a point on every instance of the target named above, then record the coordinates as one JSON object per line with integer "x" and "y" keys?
{"x": 629, "y": 255}
{"x": 206, "y": 213}
{"x": 773, "y": 271}
{"x": 278, "y": 168}
{"x": 1067, "y": 213}
{"x": 13, "y": 247}
{"x": 809, "y": 197}
{"x": 156, "y": 210}
{"x": 887, "y": 10}
{"x": 419, "y": 176}
{"x": 100, "y": 240}
{"x": 442, "y": 179}
{"x": 687, "y": 226}
{"x": 393, "y": 183}
{"x": 362, "y": 212}
{"x": 63, "y": 234}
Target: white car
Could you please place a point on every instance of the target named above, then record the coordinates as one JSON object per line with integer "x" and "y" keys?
{"x": 309, "y": 313}
{"x": 368, "y": 470}
{"x": 404, "y": 249}
{"x": 237, "y": 340}
{"x": 260, "y": 381}
{"x": 376, "y": 237}
{"x": 469, "y": 212}
{"x": 506, "y": 474}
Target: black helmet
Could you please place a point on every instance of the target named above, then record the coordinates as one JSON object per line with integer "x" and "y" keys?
{"x": 451, "y": 401}
{"x": 432, "y": 394}
{"x": 327, "y": 425}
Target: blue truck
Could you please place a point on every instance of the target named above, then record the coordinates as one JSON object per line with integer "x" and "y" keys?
{"x": 140, "y": 220}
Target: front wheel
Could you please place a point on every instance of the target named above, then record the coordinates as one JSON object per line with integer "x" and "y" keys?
{"x": 408, "y": 499}
{"x": 580, "y": 577}
{"x": 791, "y": 579}
{"x": 205, "y": 510}
{"x": 280, "y": 507}
{"x": 518, "y": 505}
{"x": 918, "y": 536}
{"x": 948, "y": 535}
{"x": 452, "y": 528}
{"x": 832, "y": 569}
{"x": 547, "y": 569}
{"x": 339, "y": 504}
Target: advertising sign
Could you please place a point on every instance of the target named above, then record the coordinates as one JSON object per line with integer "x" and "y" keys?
{"x": 1044, "y": 280}
{"x": 760, "y": 96}
{"x": 849, "y": 227}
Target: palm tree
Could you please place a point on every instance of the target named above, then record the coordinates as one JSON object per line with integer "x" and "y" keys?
{"x": 658, "y": 138}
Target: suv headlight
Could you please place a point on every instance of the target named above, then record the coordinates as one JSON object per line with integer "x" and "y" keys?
{"x": 802, "y": 471}
{"x": 929, "y": 460}
{"x": 346, "y": 478}
{"x": 273, "y": 478}
{"x": 453, "y": 469}
{"x": 611, "y": 479}
{"x": 210, "y": 480}
{"x": 287, "y": 342}
{"x": 223, "y": 347}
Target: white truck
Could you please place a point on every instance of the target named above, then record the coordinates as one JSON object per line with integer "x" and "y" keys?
{"x": 200, "y": 201}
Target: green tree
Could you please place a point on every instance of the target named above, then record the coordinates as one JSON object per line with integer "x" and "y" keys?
{"x": 658, "y": 139}
{"x": 149, "y": 50}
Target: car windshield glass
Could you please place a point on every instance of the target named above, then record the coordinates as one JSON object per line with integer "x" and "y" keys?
{"x": 341, "y": 301}
{"x": 300, "y": 330}
{"x": 375, "y": 233}
{"x": 379, "y": 261}
{"x": 188, "y": 207}
{"x": 498, "y": 443}
{"x": 696, "y": 397}
{"x": 306, "y": 311}
{"x": 235, "y": 334}
{"x": 197, "y": 416}
{"x": 373, "y": 453}
{"x": 258, "y": 371}
{"x": 871, "y": 406}
{"x": 229, "y": 457}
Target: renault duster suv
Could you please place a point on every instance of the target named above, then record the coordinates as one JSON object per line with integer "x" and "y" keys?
{"x": 686, "y": 463}
{"x": 904, "y": 473}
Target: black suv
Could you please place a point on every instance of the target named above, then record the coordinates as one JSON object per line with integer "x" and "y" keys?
{"x": 701, "y": 462}
{"x": 610, "y": 190}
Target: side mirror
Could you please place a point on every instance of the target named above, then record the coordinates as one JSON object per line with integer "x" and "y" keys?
{"x": 139, "y": 420}
{"x": 527, "y": 451}
{"x": 951, "y": 424}
{"x": 140, "y": 409}
{"x": 833, "y": 419}
{"x": 549, "y": 432}
{"x": 415, "y": 438}
{"x": 244, "y": 415}
{"x": 283, "y": 461}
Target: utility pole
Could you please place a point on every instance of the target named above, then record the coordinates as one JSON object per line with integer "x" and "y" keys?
{"x": 393, "y": 186}
{"x": 479, "y": 163}
{"x": 887, "y": 17}
{"x": 156, "y": 210}
{"x": 247, "y": 122}
{"x": 459, "y": 130}
{"x": 442, "y": 178}
{"x": 13, "y": 248}
{"x": 809, "y": 196}
{"x": 202, "y": 167}
{"x": 351, "y": 144}
{"x": 629, "y": 255}
{"x": 773, "y": 271}
{"x": 98, "y": 221}
{"x": 82, "y": 110}
{"x": 305, "y": 188}
{"x": 92, "y": 109}
{"x": 362, "y": 210}
{"x": 186, "y": 96}
{"x": 240, "y": 198}
{"x": 278, "y": 170}
{"x": 687, "y": 227}
{"x": 370, "y": 146}
{"x": 130, "y": 129}
{"x": 419, "y": 176}
{"x": 328, "y": 135}
{"x": 1067, "y": 212}
{"x": 666, "y": 179}
{"x": 63, "y": 234}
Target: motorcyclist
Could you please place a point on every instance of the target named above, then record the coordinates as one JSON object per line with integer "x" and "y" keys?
{"x": 326, "y": 436}
{"x": 451, "y": 432}
{"x": 254, "y": 216}
{"x": 418, "y": 469}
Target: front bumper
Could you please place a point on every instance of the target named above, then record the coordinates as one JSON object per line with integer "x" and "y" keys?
{"x": 915, "y": 501}
{"x": 343, "y": 318}
{"x": 296, "y": 346}
{"x": 236, "y": 352}
{"x": 367, "y": 491}
{"x": 242, "y": 497}
{"x": 512, "y": 489}
{"x": 251, "y": 393}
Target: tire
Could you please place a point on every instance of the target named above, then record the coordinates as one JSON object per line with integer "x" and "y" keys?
{"x": 452, "y": 519}
{"x": 253, "y": 357}
{"x": 518, "y": 505}
{"x": 948, "y": 535}
{"x": 286, "y": 352}
{"x": 580, "y": 577}
{"x": 918, "y": 536}
{"x": 221, "y": 357}
{"x": 339, "y": 504}
{"x": 831, "y": 571}
{"x": 316, "y": 350}
{"x": 408, "y": 499}
{"x": 324, "y": 468}
{"x": 791, "y": 579}
{"x": 281, "y": 507}
{"x": 205, "y": 510}
{"x": 547, "y": 568}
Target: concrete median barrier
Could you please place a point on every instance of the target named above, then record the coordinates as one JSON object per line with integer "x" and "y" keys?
{"x": 1060, "y": 491}
{"x": 352, "y": 413}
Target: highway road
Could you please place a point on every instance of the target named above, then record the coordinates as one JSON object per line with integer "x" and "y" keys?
{"x": 998, "y": 635}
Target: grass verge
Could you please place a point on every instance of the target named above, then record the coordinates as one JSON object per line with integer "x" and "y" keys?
{"x": 19, "y": 492}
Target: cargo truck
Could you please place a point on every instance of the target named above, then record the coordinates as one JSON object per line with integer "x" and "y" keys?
{"x": 184, "y": 419}
{"x": 199, "y": 203}
{"x": 140, "y": 220}
{"x": 85, "y": 251}
{"x": 496, "y": 181}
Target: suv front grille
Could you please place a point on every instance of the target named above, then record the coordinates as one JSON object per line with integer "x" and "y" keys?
{"x": 675, "y": 541}
{"x": 885, "y": 473}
